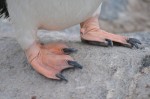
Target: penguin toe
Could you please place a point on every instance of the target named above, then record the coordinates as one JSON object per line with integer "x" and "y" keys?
{"x": 103, "y": 38}
{"x": 59, "y": 48}
{"x": 49, "y": 62}
{"x": 69, "y": 50}
{"x": 134, "y": 42}
{"x": 99, "y": 42}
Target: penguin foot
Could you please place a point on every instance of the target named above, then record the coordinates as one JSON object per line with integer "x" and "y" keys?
{"x": 103, "y": 38}
{"x": 51, "y": 59}
{"x": 92, "y": 34}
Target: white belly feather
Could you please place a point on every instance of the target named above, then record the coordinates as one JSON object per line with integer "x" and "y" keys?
{"x": 29, "y": 15}
{"x": 51, "y": 14}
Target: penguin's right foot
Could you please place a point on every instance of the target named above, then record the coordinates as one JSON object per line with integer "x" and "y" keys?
{"x": 91, "y": 33}
{"x": 51, "y": 59}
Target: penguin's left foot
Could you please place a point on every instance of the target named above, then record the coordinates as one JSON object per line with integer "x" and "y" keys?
{"x": 92, "y": 34}
{"x": 51, "y": 59}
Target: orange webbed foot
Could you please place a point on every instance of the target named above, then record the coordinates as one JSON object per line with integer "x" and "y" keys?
{"x": 103, "y": 38}
{"x": 51, "y": 59}
{"x": 92, "y": 34}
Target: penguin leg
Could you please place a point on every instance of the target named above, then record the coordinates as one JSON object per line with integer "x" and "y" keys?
{"x": 47, "y": 59}
{"x": 91, "y": 33}
{"x": 51, "y": 59}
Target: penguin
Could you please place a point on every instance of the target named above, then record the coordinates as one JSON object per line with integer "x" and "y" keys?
{"x": 28, "y": 16}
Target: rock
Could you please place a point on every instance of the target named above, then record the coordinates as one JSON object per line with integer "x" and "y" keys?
{"x": 112, "y": 73}
{"x": 122, "y": 16}
{"x": 112, "y": 8}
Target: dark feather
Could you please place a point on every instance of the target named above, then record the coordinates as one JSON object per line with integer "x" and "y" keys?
{"x": 3, "y": 9}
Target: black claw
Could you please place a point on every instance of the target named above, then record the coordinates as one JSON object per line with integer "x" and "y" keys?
{"x": 136, "y": 45}
{"x": 69, "y": 50}
{"x": 134, "y": 42}
{"x": 75, "y": 64}
{"x": 110, "y": 42}
{"x": 61, "y": 77}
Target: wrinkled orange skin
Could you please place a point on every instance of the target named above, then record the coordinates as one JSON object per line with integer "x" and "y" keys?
{"x": 48, "y": 59}
{"x": 90, "y": 30}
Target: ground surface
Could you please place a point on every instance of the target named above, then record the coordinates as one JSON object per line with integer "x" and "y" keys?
{"x": 112, "y": 73}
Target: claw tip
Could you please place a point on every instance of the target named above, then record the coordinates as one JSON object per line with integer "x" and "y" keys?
{"x": 69, "y": 50}
{"x": 61, "y": 77}
{"x": 75, "y": 64}
{"x": 110, "y": 42}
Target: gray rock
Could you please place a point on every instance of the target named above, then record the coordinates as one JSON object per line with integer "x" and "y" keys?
{"x": 112, "y": 73}
{"x": 112, "y": 8}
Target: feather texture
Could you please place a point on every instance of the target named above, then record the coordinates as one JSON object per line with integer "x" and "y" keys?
{"x": 3, "y": 9}
{"x": 51, "y": 14}
{"x": 27, "y": 16}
